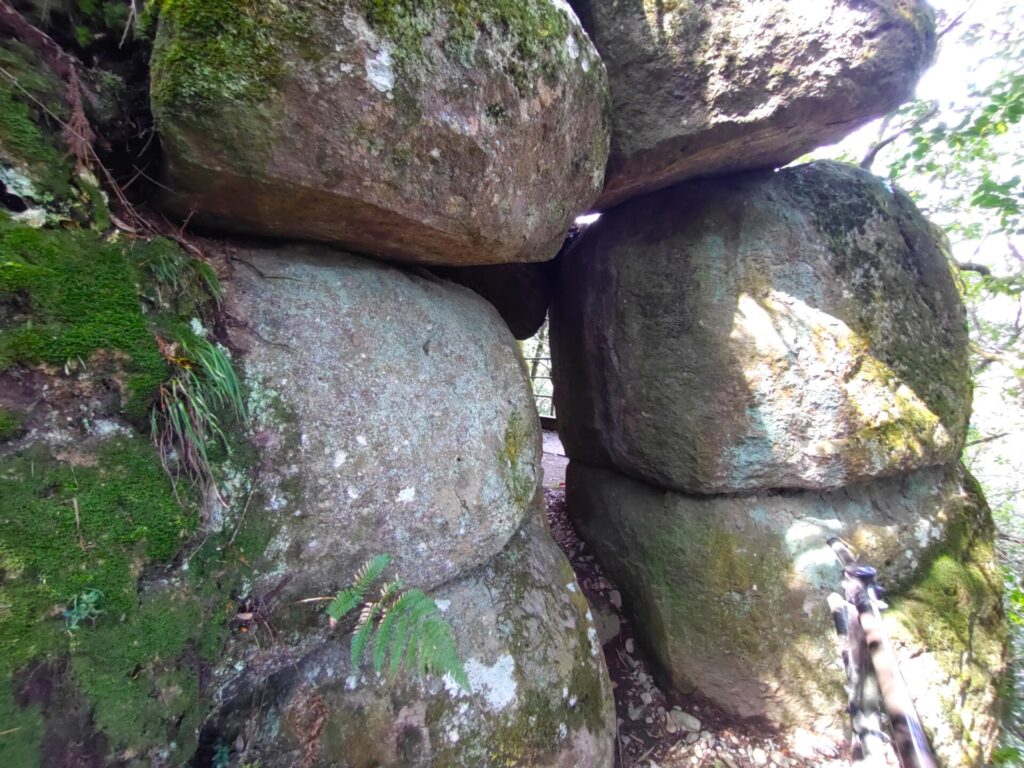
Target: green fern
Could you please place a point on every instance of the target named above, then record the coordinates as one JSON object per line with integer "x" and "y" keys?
{"x": 404, "y": 627}
{"x": 348, "y": 599}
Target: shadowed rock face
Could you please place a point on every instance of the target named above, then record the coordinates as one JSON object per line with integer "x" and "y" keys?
{"x": 459, "y": 134}
{"x": 706, "y": 88}
{"x": 775, "y": 330}
{"x": 520, "y": 292}
{"x": 541, "y": 694}
{"x": 393, "y": 415}
{"x": 730, "y": 593}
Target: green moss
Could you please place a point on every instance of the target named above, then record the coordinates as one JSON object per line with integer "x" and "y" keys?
{"x": 537, "y": 30}
{"x": 10, "y": 423}
{"x": 959, "y": 586}
{"x": 26, "y": 136}
{"x": 215, "y": 51}
{"x": 719, "y": 586}
{"x": 954, "y": 610}
{"x": 519, "y": 470}
{"x": 892, "y": 305}
{"x": 127, "y": 514}
{"x": 134, "y": 675}
{"x": 22, "y": 731}
{"x": 74, "y": 294}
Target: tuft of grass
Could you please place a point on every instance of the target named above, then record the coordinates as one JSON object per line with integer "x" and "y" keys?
{"x": 184, "y": 422}
{"x": 176, "y": 276}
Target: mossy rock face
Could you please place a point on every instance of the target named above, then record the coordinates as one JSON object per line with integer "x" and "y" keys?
{"x": 541, "y": 694}
{"x": 105, "y": 630}
{"x": 799, "y": 329}
{"x": 729, "y": 594}
{"x": 948, "y": 628}
{"x": 708, "y": 88}
{"x": 443, "y": 132}
{"x": 36, "y": 175}
{"x": 394, "y": 413}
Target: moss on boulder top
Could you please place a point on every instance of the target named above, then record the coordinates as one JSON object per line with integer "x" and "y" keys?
{"x": 464, "y": 132}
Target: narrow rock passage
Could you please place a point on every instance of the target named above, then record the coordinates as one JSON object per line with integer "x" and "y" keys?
{"x": 658, "y": 728}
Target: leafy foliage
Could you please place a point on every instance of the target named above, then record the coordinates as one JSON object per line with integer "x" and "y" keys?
{"x": 404, "y": 627}
{"x": 85, "y": 607}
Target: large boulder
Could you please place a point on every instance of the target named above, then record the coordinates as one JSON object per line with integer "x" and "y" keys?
{"x": 730, "y": 593}
{"x": 541, "y": 695}
{"x": 442, "y": 133}
{"x": 706, "y": 88}
{"x": 393, "y": 414}
{"x": 798, "y": 329}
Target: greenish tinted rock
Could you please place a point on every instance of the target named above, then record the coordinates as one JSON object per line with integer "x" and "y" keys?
{"x": 708, "y": 88}
{"x": 33, "y": 165}
{"x": 775, "y": 330}
{"x": 541, "y": 694}
{"x": 436, "y": 132}
{"x": 729, "y": 594}
{"x": 410, "y": 426}
{"x": 948, "y": 628}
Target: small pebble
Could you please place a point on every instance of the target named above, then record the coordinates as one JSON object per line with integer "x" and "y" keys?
{"x": 759, "y": 756}
{"x": 615, "y": 598}
{"x": 630, "y": 645}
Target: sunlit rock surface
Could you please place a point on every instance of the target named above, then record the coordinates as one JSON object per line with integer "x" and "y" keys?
{"x": 705, "y": 88}
{"x": 798, "y": 329}
{"x": 468, "y": 133}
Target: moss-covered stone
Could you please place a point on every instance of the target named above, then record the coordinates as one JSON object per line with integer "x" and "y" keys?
{"x": 520, "y": 458}
{"x": 730, "y": 594}
{"x": 711, "y": 89}
{"x": 692, "y": 350}
{"x": 389, "y": 127}
{"x": 949, "y": 628}
{"x": 540, "y": 690}
{"x": 218, "y": 50}
{"x": 32, "y": 157}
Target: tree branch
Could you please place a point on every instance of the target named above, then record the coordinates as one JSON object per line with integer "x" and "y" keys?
{"x": 973, "y": 266}
{"x": 986, "y": 439}
{"x": 878, "y": 146}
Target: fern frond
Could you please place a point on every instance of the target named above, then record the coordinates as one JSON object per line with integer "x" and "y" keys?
{"x": 348, "y": 599}
{"x": 363, "y": 631}
{"x": 406, "y": 627}
{"x": 438, "y": 653}
{"x": 386, "y": 627}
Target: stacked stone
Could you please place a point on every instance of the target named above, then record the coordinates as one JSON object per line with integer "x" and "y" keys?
{"x": 748, "y": 364}
{"x": 392, "y": 409}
